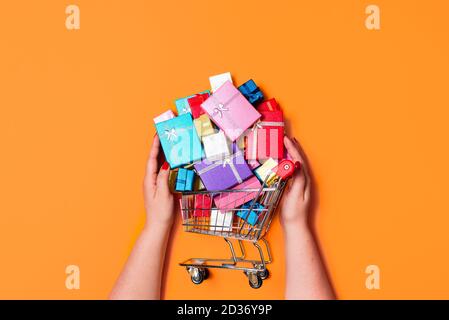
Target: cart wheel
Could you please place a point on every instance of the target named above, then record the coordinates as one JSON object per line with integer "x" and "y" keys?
{"x": 198, "y": 276}
{"x": 205, "y": 273}
{"x": 255, "y": 281}
{"x": 264, "y": 274}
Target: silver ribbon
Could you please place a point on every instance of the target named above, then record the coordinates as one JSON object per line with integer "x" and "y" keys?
{"x": 259, "y": 125}
{"x": 222, "y": 106}
{"x": 227, "y": 161}
{"x": 219, "y": 110}
{"x": 186, "y": 109}
{"x": 171, "y": 135}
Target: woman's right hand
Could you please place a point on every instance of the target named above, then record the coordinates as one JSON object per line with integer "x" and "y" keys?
{"x": 296, "y": 201}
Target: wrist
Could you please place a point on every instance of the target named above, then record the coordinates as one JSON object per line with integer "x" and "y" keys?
{"x": 295, "y": 226}
{"x": 157, "y": 225}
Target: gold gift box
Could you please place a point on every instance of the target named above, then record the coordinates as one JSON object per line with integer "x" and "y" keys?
{"x": 172, "y": 180}
{"x": 203, "y": 126}
{"x": 198, "y": 184}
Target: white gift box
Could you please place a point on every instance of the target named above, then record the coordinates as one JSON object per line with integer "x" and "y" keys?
{"x": 265, "y": 170}
{"x": 216, "y": 146}
{"x": 217, "y": 80}
{"x": 167, "y": 115}
{"x": 221, "y": 221}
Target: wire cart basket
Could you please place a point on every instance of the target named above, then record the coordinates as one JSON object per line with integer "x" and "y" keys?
{"x": 250, "y": 223}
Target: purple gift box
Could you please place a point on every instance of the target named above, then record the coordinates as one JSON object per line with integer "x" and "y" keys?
{"x": 223, "y": 174}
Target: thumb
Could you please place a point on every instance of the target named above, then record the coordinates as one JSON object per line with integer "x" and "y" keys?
{"x": 162, "y": 177}
{"x": 298, "y": 183}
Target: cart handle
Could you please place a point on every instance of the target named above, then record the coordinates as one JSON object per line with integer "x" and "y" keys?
{"x": 285, "y": 169}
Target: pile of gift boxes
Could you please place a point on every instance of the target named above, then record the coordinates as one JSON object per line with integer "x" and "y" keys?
{"x": 225, "y": 138}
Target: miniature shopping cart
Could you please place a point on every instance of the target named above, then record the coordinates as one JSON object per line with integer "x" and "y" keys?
{"x": 249, "y": 223}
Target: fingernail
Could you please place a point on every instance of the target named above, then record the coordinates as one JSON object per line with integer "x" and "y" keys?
{"x": 298, "y": 165}
{"x": 165, "y": 166}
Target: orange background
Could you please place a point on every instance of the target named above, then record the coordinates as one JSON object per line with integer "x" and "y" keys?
{"x": 370, "y": 108}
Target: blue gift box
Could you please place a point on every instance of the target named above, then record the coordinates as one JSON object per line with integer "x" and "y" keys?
{"x": 184, "y": 180}
{"x": 179, "y": 140}
{"x": 252, "y": 216}
{"x": 182, "y": 104}
{"x": 251, "y": 92}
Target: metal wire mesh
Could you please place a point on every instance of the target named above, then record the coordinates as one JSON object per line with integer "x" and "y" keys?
{"x": 209, "y": 213}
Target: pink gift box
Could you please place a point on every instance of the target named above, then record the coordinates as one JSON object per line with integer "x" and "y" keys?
{"x": 230, "y": 111}
{"x": 167, "y": 115}
{"x": 266, "y": 139}
{"x": 232, "y": 200}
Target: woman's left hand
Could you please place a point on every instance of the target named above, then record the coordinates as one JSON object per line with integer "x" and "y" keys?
{"x": 159, "y": 201}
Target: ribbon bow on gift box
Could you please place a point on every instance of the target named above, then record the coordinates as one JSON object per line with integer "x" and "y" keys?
{"x": 259, "y": 125}
{"x": 222, "y": 106}
{"x": 186, "y": 109}
{"x": 224, "y": 163}
{"x": 171, "y": 134}
{"x": 219, "y": 110}
{"x": 228, "y": 161}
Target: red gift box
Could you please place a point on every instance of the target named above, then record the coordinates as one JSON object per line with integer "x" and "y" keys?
{"x": 195, "y": 104}
{"x": 266, "y": 139}
{"x": 203, "y": 204}
{"x": 269, "y": 105}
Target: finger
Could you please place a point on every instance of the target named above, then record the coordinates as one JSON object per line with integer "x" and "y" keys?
{"x": 152, "y": 164}
{"x": 300, "y": 178}
{"x": 307, "y": 191}
{"x": 162, "y": 178}
{"x": 304, "y": 161}
{"x": 299, "y": 183}
{"x": 292, "y": 150}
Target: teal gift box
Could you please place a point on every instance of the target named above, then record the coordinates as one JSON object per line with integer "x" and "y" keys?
{"x": 182, "y": 105}
{"x": 252, "y": 217}
{"x": 184, "y": 180}
{"x": 179, "y": 140}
